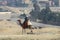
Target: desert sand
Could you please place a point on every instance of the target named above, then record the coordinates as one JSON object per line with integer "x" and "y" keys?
{"x": 10, "y": 30}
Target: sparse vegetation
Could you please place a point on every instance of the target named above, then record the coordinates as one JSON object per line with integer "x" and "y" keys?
{"x": 11, "y": 31}
{"x": 35, "y": 13}
{"x": 46, "y": 15}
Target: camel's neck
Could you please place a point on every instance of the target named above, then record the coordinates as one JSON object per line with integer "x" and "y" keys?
{"x": 20, "y": 23}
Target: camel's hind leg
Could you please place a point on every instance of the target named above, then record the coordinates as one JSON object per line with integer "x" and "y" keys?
{"x": 31, "y": 28}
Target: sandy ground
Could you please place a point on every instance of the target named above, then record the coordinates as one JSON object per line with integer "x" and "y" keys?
{"x": 11, "y": 31}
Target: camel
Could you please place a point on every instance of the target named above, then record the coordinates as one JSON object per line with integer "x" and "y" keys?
{"x": 26, "y": 24}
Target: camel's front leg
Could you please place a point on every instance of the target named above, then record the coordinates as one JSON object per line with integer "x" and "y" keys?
{"x": 22, "y": 30}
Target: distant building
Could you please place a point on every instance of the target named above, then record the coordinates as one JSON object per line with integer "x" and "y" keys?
{"x": 42, "y": 3}
{"x": 0, "y": 3}
{"x": 27, "y": 1}
{"x": 59, "y": 3}
{"x": 54, "y": 3}
{"x": 3, "y": 2}
{"x": 51, "y": 3}
{"x": 55, "y": 9}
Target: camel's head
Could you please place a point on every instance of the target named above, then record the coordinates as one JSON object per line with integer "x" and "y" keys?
{"x": 19, "y": 20}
